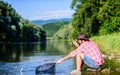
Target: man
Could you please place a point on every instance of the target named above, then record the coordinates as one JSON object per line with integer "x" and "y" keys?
{"x": 87, "y": 51}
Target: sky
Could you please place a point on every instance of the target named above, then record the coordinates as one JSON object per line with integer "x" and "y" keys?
{"x": 42, "y": 9}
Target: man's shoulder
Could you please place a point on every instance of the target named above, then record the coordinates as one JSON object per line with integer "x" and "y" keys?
{"x": 90, "y": 42}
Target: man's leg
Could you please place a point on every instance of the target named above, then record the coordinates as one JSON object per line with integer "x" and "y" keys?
{"x": 79, "y": 61}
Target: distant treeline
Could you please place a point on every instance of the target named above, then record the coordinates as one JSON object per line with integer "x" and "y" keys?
{"x": 52, "y": 28}
{"x": 14, "y": 28}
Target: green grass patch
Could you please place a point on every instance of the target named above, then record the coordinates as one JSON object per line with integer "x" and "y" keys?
{"x": 108, "y": 43}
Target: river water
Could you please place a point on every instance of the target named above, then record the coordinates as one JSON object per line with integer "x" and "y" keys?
{"x": 23, "y": 58}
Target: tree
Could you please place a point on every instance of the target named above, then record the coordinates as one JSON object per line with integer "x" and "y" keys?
{"x": 14, "y": 28}
{"x": 96, "y": 16}
{"x": 109, "y": 17}
{"x": 84, "y": 19}
{"x": 9, "y": 19}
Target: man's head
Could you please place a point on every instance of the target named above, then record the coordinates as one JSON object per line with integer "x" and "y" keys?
{"x": 83, "y": 36}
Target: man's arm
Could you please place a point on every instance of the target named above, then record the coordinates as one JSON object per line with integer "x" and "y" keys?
{"x": 64, "y": 58}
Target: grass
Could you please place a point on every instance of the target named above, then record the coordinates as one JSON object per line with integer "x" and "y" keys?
{"x": 108, "y": 43}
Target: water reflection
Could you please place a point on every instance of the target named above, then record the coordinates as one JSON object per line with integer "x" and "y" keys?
{"x": 28, "y": 56}
{"x": 14, "y": 52}
{"x": 10, "y": 52}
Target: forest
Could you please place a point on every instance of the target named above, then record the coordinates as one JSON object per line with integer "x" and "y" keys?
{"x": 52, "y": 28}
{"x": 14, "y": 28}
{"x": 94, "y": 17}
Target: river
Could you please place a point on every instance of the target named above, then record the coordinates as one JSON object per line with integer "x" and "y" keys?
{"x": 27, "y": 56}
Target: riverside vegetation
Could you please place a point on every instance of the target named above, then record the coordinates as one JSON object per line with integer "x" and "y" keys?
{"x": 109, "y": 45}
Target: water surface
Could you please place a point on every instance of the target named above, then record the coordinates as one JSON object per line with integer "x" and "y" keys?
{"x": 27, "y": 56}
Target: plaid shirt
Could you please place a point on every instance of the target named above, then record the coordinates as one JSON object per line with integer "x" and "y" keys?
{"x": 91, "y": 49}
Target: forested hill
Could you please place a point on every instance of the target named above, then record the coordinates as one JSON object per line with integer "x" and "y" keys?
{"x": 14, "y": 28}
{"x": 42, "y": 22}
{"x": 52, "y": 28}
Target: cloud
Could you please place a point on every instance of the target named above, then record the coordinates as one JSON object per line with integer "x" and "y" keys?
{"x": 52, "y": 14}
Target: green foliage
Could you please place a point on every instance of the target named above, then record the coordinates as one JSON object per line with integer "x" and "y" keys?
{"x": 84, "y": 19}
{"x": 63, "y": 33}
{"x": 9, "y": 23}
{"x": 52, "y": 28}
{"x": 31, "y": 33}
{"x": 95, "y": 16}
{"x": 109, "y": 17}
{"x": 111, "y": 64}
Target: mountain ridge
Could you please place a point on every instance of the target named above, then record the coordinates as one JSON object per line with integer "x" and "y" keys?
{"x": 41, "y": 22}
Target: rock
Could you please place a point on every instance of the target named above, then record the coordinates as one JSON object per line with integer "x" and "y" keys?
{"x": 46, "y": 68}
{"x": 117, "y": 69}
{"x": 105, "y": 70}
{"x": 93, "y": 70}
{"x": 46, "y": 60}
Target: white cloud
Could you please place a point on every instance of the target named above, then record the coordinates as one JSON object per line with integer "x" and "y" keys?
{"x": 52, "y": 14}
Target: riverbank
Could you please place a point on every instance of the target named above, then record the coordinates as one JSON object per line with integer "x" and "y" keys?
{"x": 109, "y": 45}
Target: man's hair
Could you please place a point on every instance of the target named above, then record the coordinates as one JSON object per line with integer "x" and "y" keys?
{"x": 83, "y": 36}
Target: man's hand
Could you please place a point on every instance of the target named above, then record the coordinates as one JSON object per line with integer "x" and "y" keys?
{"x": 75, "y": 43}
{"x": 64, "y": 58}
{"x": 59, "y": 61}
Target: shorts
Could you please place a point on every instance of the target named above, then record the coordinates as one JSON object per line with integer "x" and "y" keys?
{"x": 90, "y": 62}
